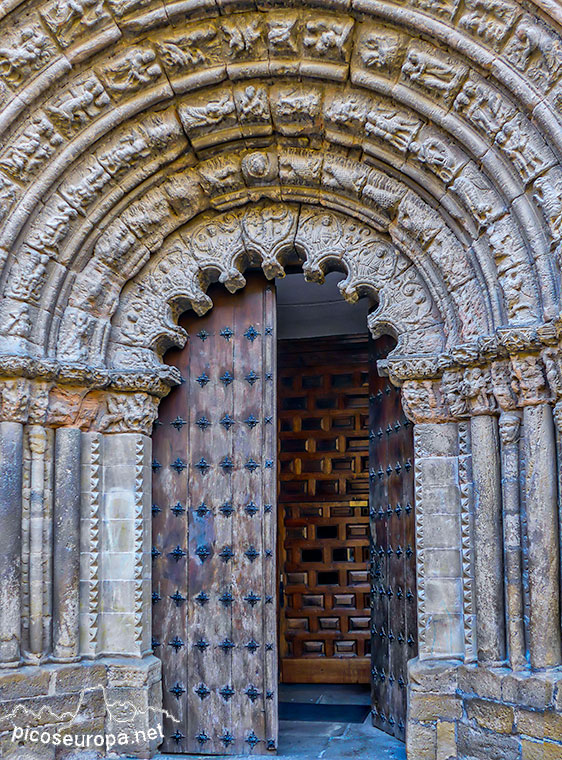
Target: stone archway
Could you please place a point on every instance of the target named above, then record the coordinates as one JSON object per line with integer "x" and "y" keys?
{"x": 412, "y": 138}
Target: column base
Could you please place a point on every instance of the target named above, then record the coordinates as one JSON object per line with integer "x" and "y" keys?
{"x": 473, "y": 712}
{"x": 101, "y": 708}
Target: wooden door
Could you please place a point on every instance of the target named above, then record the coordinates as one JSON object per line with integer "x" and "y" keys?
{"x": 214, "y": 531}
{"x": 324, "y": 516}
{"x": 393, "y": 550}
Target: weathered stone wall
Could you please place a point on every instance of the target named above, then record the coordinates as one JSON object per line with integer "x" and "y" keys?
{"x": 471, "y": 711}
{"x": 151, "y": 147}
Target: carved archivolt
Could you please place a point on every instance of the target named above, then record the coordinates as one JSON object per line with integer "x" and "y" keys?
{"x": 145, "y": 322}
{"x": 133, "y": 137}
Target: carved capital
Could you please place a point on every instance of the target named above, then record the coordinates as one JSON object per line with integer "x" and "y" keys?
{"x": 128, "y": 413}
{"x": 477, "y": 388}
{"x": 423, "y": 401}
{"x": 509, "y": 426}
{"x": 453, "y": 393}
{"x": 552, "y": 360}
{"x": 504, "y": 385}
{"x": 530, "y": 378}
{"x": 14, "y": 399}
{"x": 53, "y": 404}
{"x": 37, "y": 440}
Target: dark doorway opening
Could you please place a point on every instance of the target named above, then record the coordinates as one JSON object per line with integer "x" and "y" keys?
{"x": 323, "y": 456}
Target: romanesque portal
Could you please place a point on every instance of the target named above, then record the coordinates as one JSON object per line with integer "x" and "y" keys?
{"x": 153, "y": 148}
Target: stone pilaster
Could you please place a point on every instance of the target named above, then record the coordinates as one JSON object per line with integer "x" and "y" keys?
{"x": 66, "y": 545}
{"x": 124, "y": 626}
{"x": 38, "y": 438}
{"x": 557, "y": 415}
{"x": 90, "y": 547}
{"x": 438, "y": 541}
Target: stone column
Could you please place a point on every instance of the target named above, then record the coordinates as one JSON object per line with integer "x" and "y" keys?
{"x": 38, "y": 447}
{"x": 11, "y": 451}
{"x": 509, "y": 426}
{"x": 541, "y": 506}
{"x": 557, "y": 414}
{"x": 66, "y": 545}
{"x": 488, "y": 539}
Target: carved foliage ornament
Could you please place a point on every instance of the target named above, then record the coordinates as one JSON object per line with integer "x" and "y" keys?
{"x": 264, "y": 232}
{"x": 499, "y": 387}
{"x": 54, "y": 405}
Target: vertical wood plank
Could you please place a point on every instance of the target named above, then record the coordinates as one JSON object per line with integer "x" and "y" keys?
{"x": 169, "y": 530}
{"x": 394, "y": 615}
{"x": 220, "y": 680}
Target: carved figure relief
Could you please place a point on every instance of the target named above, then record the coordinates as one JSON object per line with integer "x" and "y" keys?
{"x": 531, "y": 380}
{"x": 435, "y": 153}
{"x": 78, "y": 105}
{"x": 252, "y": 104}
{"x": 536, "y": 51}
{"x": 327, "y": 37}
{"x": 131, "y": 71}
{"x": 392, "y": 125}
{"x": 210, "y": 113}
{"x": 182, "y": 52}
{"x": 490, "y": 20}
{"x": 452, "y": 390}
{"x": 24, "y": 54}
{"x": 281, "y": 32}
{"x": 37, "y": 143}
{"x": 8, "y": 195}
{"x": 483, "y": 105}
{"x": 425, "y": 68}
{"x": 548, "y": 194}
{"x": 379, "y": 47}
{"x": 126, "y": 412}
{"x": 505, "y": 386}
{"x": 524, "y": 148}
{"x": 477, "y": 389}
{"x": 243, "y": 36}
{"x": 69, "y": 19}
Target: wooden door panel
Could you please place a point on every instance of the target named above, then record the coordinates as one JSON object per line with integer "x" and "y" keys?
{"x": 393, "y": 560}
{"x": 214, "y": 531}
{"x": 324, "y": 516}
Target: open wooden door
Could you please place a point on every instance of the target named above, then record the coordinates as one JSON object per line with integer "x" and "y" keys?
{"x": 393, "y": 555}
{"x": 214, "y": 531}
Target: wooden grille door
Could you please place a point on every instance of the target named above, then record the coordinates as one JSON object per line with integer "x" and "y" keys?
{"x": 324, "y": 514}
{"x": 214, "y": 531}
{"x": 393, "y": 556}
